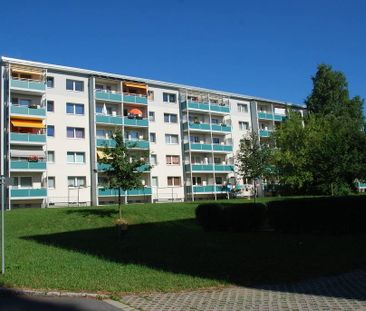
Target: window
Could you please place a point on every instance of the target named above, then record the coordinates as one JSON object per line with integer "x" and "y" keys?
{"x": 153, "y": 160}
{"x": 51, "y": 130}
{"x": 218, "y": 180}
{"x": 76, "y": 181}
{"x": 74, "y": 108}
{"x": 24, "y": 102}
{"x": 196, "y": 180}
{"x": 51, "y": 183}
{"x": 22, "y": 182}
{"x": 76, "y": 157}
{"x": 214, "y": 121}
{"x": 172, "y": 159}
{"x": 50, "y": 106}
{"x": 194, "y": 139}
{"x": 50, "y": 82}
{"x": 153, "y": 137}
{"x": 169, "y": 98}
{"x": 243, "y": 125}
{"x": 75, "y": 132}
{"x": 150, "y": 95}
{"x": 50, "y": 156}
{"x": 242, "y": 107}
{"x": 151, "y": 116}
{"x": 73, "y": 85}
{"x": 174, "y": 181}
{"x": 171, "y": 139}
{"x": 170, "y": 118}
{"x": 215, "y": 140}
{"x": 154, "y": 181}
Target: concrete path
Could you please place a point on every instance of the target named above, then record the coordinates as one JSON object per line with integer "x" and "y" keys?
{"x": 343, "y": 292}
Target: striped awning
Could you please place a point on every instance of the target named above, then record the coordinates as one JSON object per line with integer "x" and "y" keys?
{"x": 135, "y": 85}
{"x": 17, "y": 153}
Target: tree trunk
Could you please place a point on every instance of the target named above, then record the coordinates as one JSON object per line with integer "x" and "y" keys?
{"x": 119, "y": 203}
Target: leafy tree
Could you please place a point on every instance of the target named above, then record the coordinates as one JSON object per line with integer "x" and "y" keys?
{"x": 253, "y": 158}
{"x": 124, "y": 172}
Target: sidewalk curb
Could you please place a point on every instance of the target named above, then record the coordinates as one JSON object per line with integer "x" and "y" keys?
{"x": 29, "y": 292}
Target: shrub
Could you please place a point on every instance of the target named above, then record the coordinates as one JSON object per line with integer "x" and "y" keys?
{"x": 344, "y": 214}
{"x": 236, "y": 217}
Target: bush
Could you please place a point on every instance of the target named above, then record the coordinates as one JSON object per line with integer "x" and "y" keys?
{"x": 236, "y": 217}
{"x": 344, "y": 214}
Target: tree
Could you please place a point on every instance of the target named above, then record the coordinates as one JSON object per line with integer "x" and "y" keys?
{"x": 253, "y": 158}
{"x": 124, "y": 171}
{"x": 325, "y": 152}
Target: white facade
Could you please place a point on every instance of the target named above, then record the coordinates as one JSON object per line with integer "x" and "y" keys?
{"x": 191, "y": 135}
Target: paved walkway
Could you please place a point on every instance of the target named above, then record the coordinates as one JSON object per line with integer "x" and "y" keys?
{"x": 343, "y": 292}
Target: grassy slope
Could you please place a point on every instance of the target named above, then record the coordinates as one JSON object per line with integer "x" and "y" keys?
{"x": 77, "y": 249}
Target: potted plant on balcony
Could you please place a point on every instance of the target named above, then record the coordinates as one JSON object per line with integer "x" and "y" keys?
{"x": 123, "y": 174}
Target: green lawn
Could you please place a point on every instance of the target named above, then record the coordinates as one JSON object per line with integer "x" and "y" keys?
{"x": 78, "y": 249}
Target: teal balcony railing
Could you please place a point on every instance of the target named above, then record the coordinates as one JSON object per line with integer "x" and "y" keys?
{"x": 134, "y": 99}
{"x": 26, "y": 165}
{"x": 270, "y": 116}
{"x": 208, "y": 147}
{"x": 25, "y": 110}
{"x": 114, "y": 120}
{"x": 264, "y": 133}
{"x": 207, "y": 127}
{"x": 104, "y": 192}
{"x": 104, "y": 166}
{"x": 135, "y": 122}
{"x": 209, "y": 167}
{"x": 221, "y": 128}
{"x": 208, "y": 189}
{"x": 29, "y": 138}
{"x": 108, "y": 96}
{"x": 28, "y": 193}
{"x": 278, "y": 117}
{"x": 103, "y": 142}
{"x": 206, "y": 107}
{"x": 30, "y": 85}
{"x": 138, "y": 144}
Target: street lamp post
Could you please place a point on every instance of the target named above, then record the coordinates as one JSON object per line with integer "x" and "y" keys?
{"x": 3, "y": 180}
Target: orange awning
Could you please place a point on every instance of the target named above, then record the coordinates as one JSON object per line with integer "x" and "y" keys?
{"x": 135, "y": 111}
{"x": 31, "y": 71}
{"x": 135, "y": 85}
{"x": 27, "y": 123}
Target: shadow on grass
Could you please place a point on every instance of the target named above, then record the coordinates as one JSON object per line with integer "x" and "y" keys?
{"x": 103, "y": 213}
{"x": 238, "y": 258}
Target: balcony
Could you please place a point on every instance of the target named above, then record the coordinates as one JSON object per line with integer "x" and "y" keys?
{"x": 33, "y": 86}
{"x": 265, "y": 133}
{"x": 220, "y": 128}
{"x": 208, "y": 147}
{"x": 209, "y": 167}
{"x": 31, "y": 193}
{"x": 207, "y": 127}
{"x": 134, "y": 99}
{"x": 105, "y": 142}
{"x": 207, "y": 189}
{"x": 135, "y": 122}
{"x": 104, "y": 167}
{"x": 104, "y": 192}
{"x": 28, "y": 111}
{"x": 137, "y": 144}
{"x": 28, "y": 138}
{"x": 113, "y": 120}
{"x": 270, "y": 116}
{"x": 206, "y": 107}
{"x": 108, "y": 96}
{"x": 27, "y": 166}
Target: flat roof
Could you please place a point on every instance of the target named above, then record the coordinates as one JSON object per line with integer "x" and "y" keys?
{"x": 147, "y": 81}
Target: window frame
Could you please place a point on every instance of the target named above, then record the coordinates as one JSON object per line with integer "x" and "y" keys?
{"x": 74, "y": 132}
{"x": 168, "y": 118}
{"x": 74, "y": 155}
{"x": 76, "y": 178}
{"x": 173, "y": 179}
{"x": 54, "y": 156}
{"x": 74, "y": 110}
{"x": 53, "y": 105}
{"x": 74, "y": 83}
{"x": 54, "y": 182}
{"x": 50, "y": 78}
{"x": 171, "y": 161}
{"x": 170, "y": 139}
{"x": 51, "y": 127}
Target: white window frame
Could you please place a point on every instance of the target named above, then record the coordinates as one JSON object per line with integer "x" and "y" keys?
{"x": 170, "y": 139}
{"x": 54, "y": 182}
{"x": 76, "y": 181}
{"x": 74, "y": 155}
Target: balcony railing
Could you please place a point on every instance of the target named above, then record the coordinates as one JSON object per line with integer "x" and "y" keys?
{"x": 134, "y": 98}
{"x": 104, "y": 167}
{"x": 28, "y": 193}
{"x": 270, "y": 116}
{"x": 29, "y": 138}
{"x": 208, "y": 147}
{"x": 28, "y": 111}
{"x": 27, "y": 165}
{"x": 207, "y": 127}
{"x": 206, "y": 107}
{"x": 209, "y": 167}
{"x": 265, "y": 133}
{"x": 26, "y": 84}
{"x": 208, "y": 189}
{"x": 135, "y": 122}
{"x": 111, "y": 143}
{"x": 108, "y": 96}
{"x": 104, "y": 192}
{"x": 114, "y": 120}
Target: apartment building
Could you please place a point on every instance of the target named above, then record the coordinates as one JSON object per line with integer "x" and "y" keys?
{"x": 57, "y": 120}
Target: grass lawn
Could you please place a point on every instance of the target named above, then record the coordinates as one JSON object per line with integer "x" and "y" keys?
{"x": 78, "y": 249}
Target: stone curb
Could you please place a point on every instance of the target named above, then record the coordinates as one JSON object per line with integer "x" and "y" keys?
{"x": 30, "y": 292}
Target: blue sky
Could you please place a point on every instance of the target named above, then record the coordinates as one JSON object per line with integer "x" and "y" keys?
{"x": 261, "y": 48}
